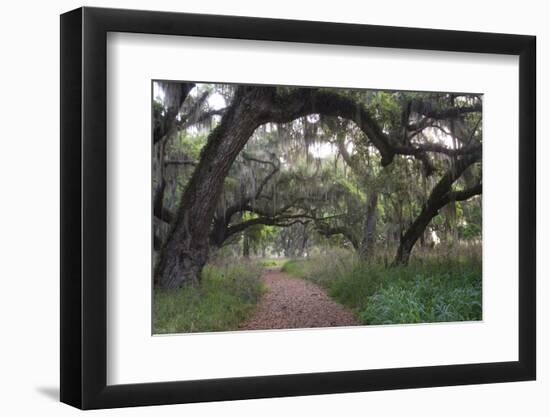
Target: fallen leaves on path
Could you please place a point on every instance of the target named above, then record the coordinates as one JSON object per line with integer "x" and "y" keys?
{"x": 292, "y": 303}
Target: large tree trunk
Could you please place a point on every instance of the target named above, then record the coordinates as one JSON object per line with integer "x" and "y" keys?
{"x": 186, "y": 250}
{"x": 414, "y": 232}
{"x": 303, "y": 245}
{"x": 369, "y": 227}
{"x": 440, "y": 196}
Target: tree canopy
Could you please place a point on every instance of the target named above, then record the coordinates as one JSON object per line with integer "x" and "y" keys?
{"x": 242, "y": 170}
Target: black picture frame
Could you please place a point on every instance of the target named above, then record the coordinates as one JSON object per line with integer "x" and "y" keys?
{"x": 84, "y": 207}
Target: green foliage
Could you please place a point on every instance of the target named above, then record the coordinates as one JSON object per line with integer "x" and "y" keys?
{"x": 387, "y": 104}
{"x": 352, "y": 189}
{"x": 471, "y": 226}
{"x": 190, "y": 144}
{"x": 469, "y": 231}
{"x": 433, "y": 289}
{"x": 227, "y": 296}
{"x": 298, "y": 268}
{"x": 272, "y": 263}
{"x": 433, "y": 296}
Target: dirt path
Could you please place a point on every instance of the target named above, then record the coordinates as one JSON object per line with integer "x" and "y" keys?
{"x": 296, "y": 303}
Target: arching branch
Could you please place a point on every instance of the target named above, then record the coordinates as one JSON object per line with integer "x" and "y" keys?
{"x": 302, "y": 102}
{"x": 440, "y": 196}
{"x": 327, "y": 230}
{"x": 244, "y": 203}
{"x": 186, "y": 250}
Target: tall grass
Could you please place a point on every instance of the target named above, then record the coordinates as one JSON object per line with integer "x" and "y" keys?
{"x": 227, "y": 295}
{"x": 272, "y": 262}
{"x": 436, "y": 287}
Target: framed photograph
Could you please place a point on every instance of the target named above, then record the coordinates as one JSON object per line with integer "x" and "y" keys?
{"x": 257, "y": 208}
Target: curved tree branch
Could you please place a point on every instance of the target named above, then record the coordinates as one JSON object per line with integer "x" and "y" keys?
{"x": 186, "y": 250}
{"x": 303, "y": 102}
{"x": 326, "y": 230}
{"x": 440, "y": 196}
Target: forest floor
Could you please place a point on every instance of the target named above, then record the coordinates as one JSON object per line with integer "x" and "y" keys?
{"x": 295, "y": 303}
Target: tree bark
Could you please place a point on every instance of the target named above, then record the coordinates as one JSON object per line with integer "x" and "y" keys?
{"x": 186, "y": 250}
{"x": 305, "y": 237}
{"x": 246, "y": 246}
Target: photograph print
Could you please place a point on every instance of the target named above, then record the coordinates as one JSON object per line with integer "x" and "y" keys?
{"x": 288, "y": 207}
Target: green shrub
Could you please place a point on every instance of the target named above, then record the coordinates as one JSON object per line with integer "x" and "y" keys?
{"x": 322, "y": 269}
{"x": 226, "y": 297}
{"x": 426, "y": 299}
{"x": 298, "y": 268}
{"x": 360, "y": 282}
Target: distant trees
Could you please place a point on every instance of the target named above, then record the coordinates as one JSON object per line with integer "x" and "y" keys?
{"x": 247, "y": 164}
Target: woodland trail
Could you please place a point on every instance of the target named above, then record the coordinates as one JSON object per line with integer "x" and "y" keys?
{"x": 292, "y": 303}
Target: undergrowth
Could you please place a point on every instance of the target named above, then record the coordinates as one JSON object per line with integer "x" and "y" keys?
{"x": 430, "y": 289}
{"x": 227, "y": 295}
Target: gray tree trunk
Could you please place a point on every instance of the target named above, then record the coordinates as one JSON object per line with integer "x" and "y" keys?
{"x": 369, "y": 227}
{"x": 246, "y": 246}
{"x": 186, "y": 250}
{"x": 440, "y": 196}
